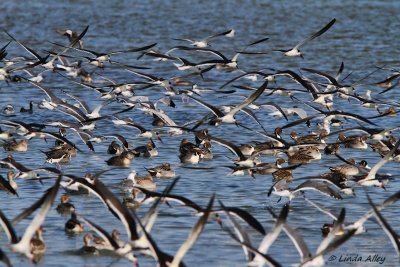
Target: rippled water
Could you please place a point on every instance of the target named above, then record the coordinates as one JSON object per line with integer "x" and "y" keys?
{"x": 365, "y": 35}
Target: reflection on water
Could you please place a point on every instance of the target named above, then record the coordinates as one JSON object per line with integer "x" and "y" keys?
{"x": 364, "y": 36}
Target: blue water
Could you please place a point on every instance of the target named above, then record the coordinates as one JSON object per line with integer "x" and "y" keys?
{"x": 364, "y": 36}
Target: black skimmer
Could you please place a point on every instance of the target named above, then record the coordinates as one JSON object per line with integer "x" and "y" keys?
{"x": 194, "y": 234}
{"x": 4, "y": 258}
{"x": 393, "y": 236}
{"x": 143, "y": 131}
{"x": 42, "y": 61}
{"x": 100, "y": 58}
{"x": 71, "y": 35}
{"x": 257, "y": 257}
{"x": 9, "y": 185}
{"x": 23, "y": 245}
{"x": 205, "y": 42}
{"x": 281, "y": 189}
{"x": 24, "y": 172}
{"x": 95, "y": 186}
{"x": 295, "y": 52}
{"x": 230, "y": 116}
{"x": 238, "y": 212}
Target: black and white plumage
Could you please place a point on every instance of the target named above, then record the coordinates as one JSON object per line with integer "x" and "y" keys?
{"x": 281, "y": 189}
{"x": 393, "y": 236}
{"x": 169, "y": 198}
{"x": 258, "y": 257}
{"x": 294, "y": 52}
{"x": 23, "y": 245}
{"x": 230, "y": 116}
{"x": 205, "y": 42}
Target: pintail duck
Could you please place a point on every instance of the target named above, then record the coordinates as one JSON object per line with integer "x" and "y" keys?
{"x": 145, "y": 182}
{"x": 101, "y": 244}
{"x": 303, "y": 154}
{"x": 283, "y": 174}
{"x": 309, "y": 139}
{"x": 135, "y": 180}
{"x": 115, "y": 148}
{"x": 357, "y": 142}
{"x": 240, "y": 170}
{"x": 37, "y": 244}
{"x": 339, "y": 180}
{"x": 268, "y": 168}
{"x": 206, "y": 152}
{"x": 132, "y": 201}
{"x": 65, "y": 207}
{"x": 379, "y": 147}
{"x": 332, "y": 149}
{"x": 268, "y": 148}
{"x": 201, "y": 136}
{"x": 88, "y": 249}
{"x": 59, "y": 155}
{"x": 349, "y": 169}
{"x": 27, "y": 110}
{"x": 246, "y": 149}
{"x": 13, "y": 145}
{"x": 346, "y": 169}
{"x": 189, "y": 152}
{"x": 148, "y": 151}
{"x": 123, "y": 160}
{"x": 162, "y": 171}
{"x": 8, "y": 110}
{"x": 73, "y": 225}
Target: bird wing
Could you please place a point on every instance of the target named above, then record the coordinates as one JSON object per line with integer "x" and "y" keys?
{"x": 315, "y": 35}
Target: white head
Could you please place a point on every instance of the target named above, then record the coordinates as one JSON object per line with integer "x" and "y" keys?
{"x": 132, "y": 175}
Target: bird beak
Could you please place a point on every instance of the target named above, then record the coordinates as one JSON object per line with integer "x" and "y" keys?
{"x": 159, "y": 138}
{"x": 165, "y": 201}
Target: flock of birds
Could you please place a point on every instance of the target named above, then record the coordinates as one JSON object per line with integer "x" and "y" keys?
{"x": 64, "y": 117}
